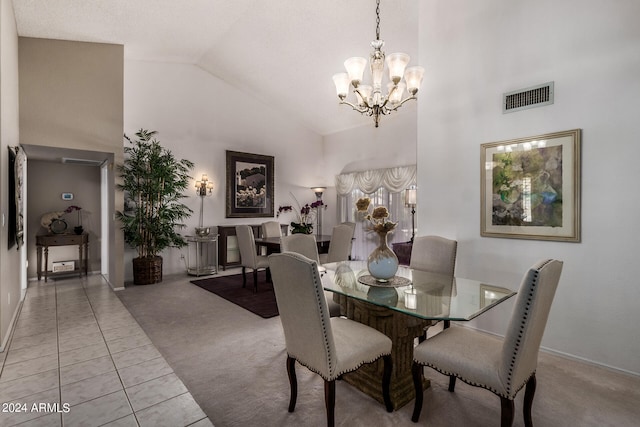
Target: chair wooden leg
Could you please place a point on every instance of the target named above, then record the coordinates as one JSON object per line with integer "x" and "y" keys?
{"x": 416, "y": 371}
{"x": 452, "y": 383}
{"x": 386, "y": 381}
{"x": 529, "y": 392}
{"x": 255, "y": 281}
{"x": 244, "y": 277}
{"x": 330, "y": 401}
{"x": 507, "y": 412}
{"x": 269, "y": 275}
{"x": 293, "y": 382}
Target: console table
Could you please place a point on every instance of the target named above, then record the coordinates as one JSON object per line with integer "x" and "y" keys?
{"x": 44, "y": 241}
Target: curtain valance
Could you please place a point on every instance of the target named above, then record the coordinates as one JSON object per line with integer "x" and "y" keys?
{"x": 393, "y": 179}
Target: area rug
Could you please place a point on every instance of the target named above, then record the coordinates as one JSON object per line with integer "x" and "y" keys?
{"x": 263, "y": 303}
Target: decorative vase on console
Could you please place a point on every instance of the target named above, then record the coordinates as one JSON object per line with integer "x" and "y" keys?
{"x": 382, "y": 262}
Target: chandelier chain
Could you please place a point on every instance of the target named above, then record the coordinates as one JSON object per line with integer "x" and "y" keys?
{"x": 378, "y": 20}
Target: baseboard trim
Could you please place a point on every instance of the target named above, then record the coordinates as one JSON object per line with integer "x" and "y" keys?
{"x": 12, "y": 324}
{"x": 565, "y": 355}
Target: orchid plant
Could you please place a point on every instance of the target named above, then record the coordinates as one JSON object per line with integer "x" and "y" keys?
{"x": 305, "y": 215}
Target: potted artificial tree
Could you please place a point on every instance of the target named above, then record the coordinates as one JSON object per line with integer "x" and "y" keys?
{"x": 153, "y": 182}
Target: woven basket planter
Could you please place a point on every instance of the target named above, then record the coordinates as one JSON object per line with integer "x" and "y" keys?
{"x": 147, "y": 270}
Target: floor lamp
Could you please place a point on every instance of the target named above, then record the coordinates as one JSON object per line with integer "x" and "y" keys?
{"x": 318, "y": 191}
{"x": 410, "y": 200}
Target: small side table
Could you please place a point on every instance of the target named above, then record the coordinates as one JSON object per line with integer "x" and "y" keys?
{"x": 202, "y": 255}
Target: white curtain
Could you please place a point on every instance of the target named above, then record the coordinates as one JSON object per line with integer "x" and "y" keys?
{"x": 393, "y": 180}
{"x": 385, "y": 187}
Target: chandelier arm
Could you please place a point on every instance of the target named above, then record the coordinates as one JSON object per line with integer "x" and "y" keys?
{"x": 400, "y": 104}
{"x": 364, "y": 99}
{"x": 355, "y": 107}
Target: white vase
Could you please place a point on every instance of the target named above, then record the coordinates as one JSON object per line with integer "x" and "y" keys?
{"x": 382, "y": 262}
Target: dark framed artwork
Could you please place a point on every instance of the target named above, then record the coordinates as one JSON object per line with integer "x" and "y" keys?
{"x": 530, "y": 187}
{"x": 16, "y": 200}
{"x": 250, "y": 191}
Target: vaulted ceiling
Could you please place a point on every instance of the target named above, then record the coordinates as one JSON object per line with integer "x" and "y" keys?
{"x": 282, "y": 52}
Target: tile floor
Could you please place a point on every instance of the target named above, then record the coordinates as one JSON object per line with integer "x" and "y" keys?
{"x": 77, "y": 348}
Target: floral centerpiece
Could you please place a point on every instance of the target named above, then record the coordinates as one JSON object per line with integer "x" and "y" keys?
{"x": 305, "y": 215}
{"x": 382, "y": 262}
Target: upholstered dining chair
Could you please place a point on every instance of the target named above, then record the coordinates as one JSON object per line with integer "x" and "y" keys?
{"x": 327, "y": 346}
{"x": 305, "y": 244}
{"x": 249, "y": 257}
{"x": 271, "y": 229}
{"x": 435, "y": 254}
{"x": 340, "y": 244}
{"x": 502, "y": 366}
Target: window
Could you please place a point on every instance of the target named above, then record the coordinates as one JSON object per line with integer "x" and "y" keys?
{"x": 366, "y": 241}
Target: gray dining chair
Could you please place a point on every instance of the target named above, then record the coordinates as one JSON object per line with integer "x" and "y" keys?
{"x": 271, "y": 229}
{"x": 502, "y": 366}
{"x": 340, "y": 244}
{"x": 249, "y": 257}
{"x": 435, "y": 254}
{"x": 305, "y": 244}
{"x": 328, "y": 346}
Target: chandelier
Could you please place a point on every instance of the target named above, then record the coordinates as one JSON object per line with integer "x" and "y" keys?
{"x": 369, "y": 99}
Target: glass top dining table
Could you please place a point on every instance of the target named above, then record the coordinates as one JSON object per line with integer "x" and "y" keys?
{"x": 421, "y": 294}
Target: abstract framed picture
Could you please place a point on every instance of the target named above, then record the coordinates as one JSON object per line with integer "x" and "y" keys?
{"x": 530, "y": 187}
{"x": 250, "y": 179}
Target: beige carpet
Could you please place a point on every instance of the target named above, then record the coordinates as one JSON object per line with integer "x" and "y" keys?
{"x": 233, "y": 362}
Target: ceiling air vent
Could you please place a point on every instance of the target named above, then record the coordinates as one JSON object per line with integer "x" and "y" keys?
{"x": 531, "y": 97}
{"x": 85, "y": 162}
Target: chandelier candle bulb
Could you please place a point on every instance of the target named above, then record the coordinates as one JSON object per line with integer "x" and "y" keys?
{"x": 341, "y": 80}
{"x": 355, "y": 68}
{"x": 413, "y": 77}
{"x": 397, "y": 62}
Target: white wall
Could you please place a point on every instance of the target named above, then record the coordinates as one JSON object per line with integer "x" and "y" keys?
{"x": 474, "y": 52}
{"x": 10, "y": 260}
{"x": 71, "y": 97}
{"x": 198, "y": 117}
{"x": 366, "y": 147}
{"x": 393, "y": 143}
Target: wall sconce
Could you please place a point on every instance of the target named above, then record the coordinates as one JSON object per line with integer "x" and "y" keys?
{"x": 203, "y": 189}
{"x": 318, "y": 191}
{"x": 411, "y": 200}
